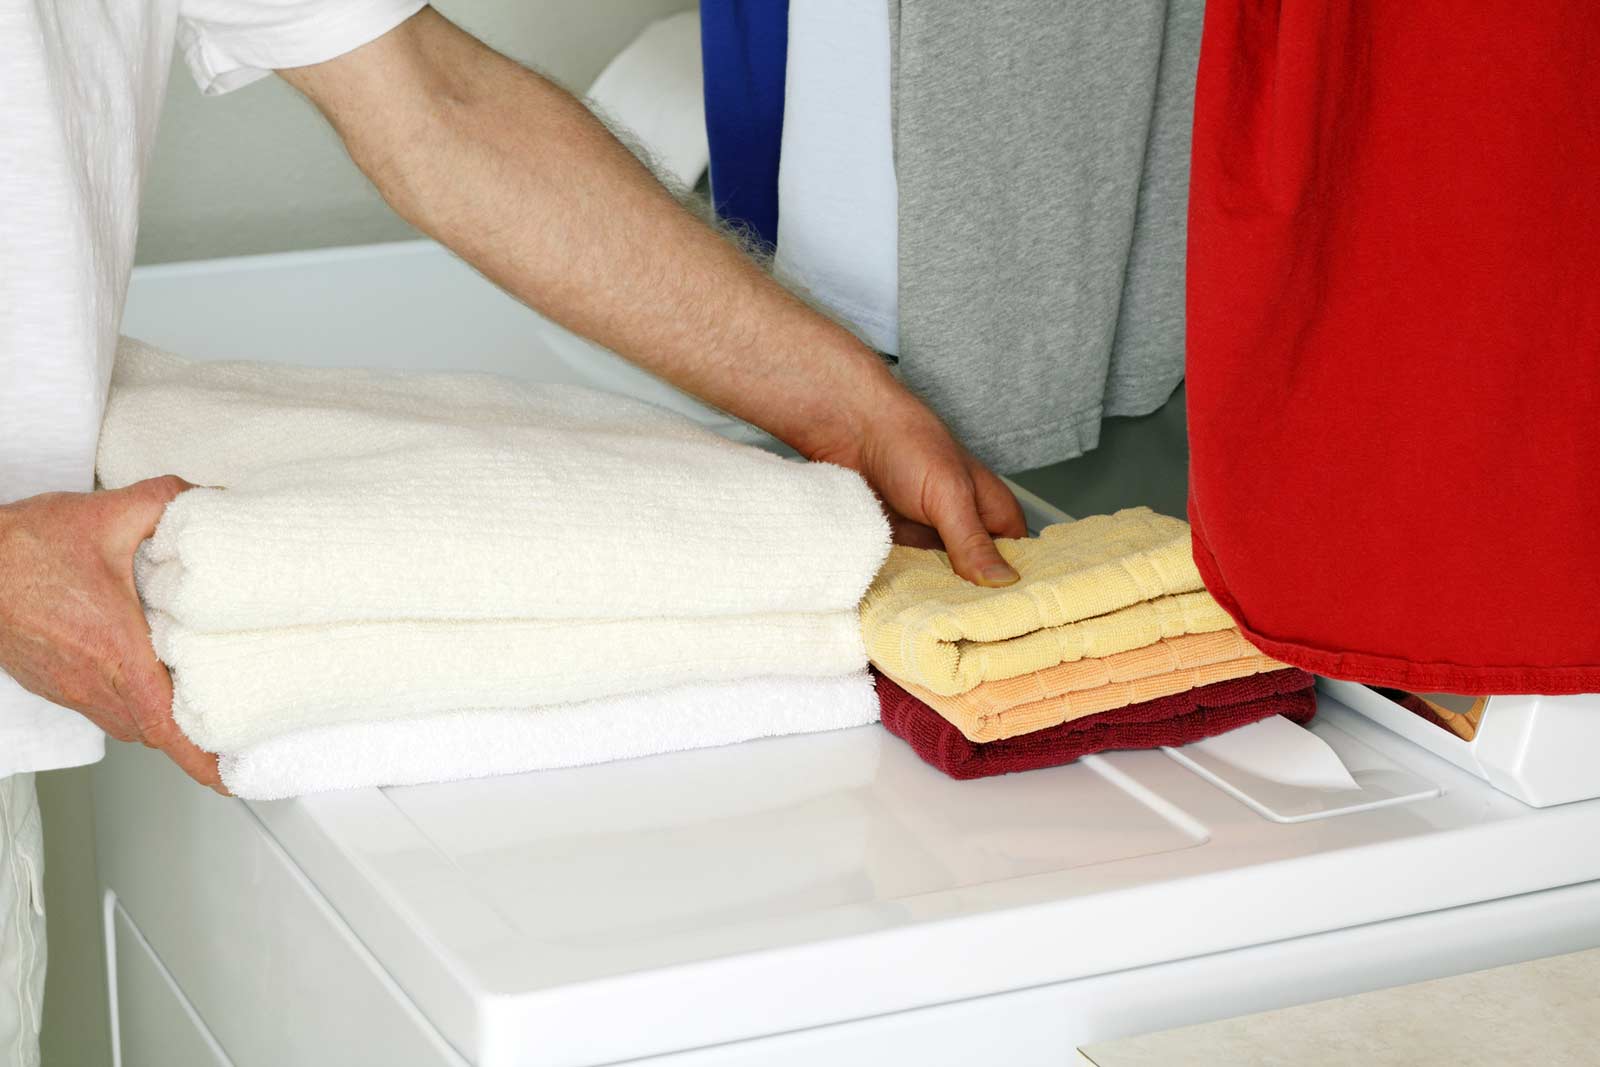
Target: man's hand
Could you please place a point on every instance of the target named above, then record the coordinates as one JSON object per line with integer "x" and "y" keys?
{"x": 937, "y": 494}
{"x": 71, "y": 628}
{"x": 518, "y": 178}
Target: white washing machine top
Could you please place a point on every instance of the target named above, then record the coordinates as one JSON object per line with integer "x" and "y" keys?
{"x": 605, "y": 913}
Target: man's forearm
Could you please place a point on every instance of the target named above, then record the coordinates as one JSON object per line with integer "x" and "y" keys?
{"x": 519, "y": 178}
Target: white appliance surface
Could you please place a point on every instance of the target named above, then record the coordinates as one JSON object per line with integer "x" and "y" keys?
{"x": 655, "y": 906}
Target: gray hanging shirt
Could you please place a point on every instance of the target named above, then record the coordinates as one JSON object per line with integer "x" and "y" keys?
{"x": 1042, "y": 158}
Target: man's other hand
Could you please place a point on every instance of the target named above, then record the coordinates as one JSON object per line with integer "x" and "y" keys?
{"x": 71, "y": 629}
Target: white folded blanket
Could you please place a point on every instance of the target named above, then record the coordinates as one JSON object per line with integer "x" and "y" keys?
{"x": 473, "y": 744}
{"x": 377, "y": 547}
{"x": 356, "y": 495}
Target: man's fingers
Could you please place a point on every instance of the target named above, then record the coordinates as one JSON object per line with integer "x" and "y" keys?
{"x": 914, "y": 534}
{"x": 117, "y": 727}
{"x": 148, "y": 682}
{"x": 139, "y": 510}
{"x": 157, "y": 730}
{"x": 146, "y": 686}
{"x": 997, "y": 505}
{"x": 162, "y": 489}
{"x": 967, "y": 541}
{"x": 201, "y": 766}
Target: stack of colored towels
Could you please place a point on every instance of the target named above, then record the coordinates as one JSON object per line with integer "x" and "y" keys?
{"x": 391, "y": 579}
{"x": 1108, "y": 641}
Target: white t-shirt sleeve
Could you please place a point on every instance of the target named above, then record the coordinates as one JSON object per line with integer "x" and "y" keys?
{"x": 231, "y": 43}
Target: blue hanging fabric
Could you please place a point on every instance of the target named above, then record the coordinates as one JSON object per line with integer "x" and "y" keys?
{"x": 744, "y": 45}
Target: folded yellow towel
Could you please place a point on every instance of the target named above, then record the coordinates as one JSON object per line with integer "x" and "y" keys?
{"x": 997, "y": 724}
{"x": 1090, "y": 588}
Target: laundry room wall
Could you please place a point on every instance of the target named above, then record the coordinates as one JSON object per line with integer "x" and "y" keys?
{"x": 258, "y": 171}
{"x": 255, "y": 171}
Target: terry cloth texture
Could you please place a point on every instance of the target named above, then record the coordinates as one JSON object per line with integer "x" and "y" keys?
{"x": 1165, "y": 657}
{"x": 1394, "y": 338}
{"x": 1175, "y": 720}
{"x": 237, "y": 689}
{"x": 1042, "y": 155}
{"x": 994, "y": 724}
{"x": 355, "y": 495}
{"x": 1090, "y": 588}
{"x": 388, "y": 546}
{"x": 475, "y": 744}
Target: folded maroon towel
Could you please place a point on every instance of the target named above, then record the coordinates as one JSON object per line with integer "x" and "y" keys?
{"x": 1174, "y": 720}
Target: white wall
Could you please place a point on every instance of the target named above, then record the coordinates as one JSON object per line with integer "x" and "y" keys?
{"x": 258, "y": 171}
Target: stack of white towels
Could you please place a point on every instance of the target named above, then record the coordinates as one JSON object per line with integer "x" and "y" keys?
{"x": 393, "y": 579}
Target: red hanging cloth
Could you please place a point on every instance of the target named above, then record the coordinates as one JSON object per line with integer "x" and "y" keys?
{"x": 1394, "y": 337}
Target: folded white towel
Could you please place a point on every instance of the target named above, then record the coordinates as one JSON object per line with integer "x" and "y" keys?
{"x": 236, "y": 689}
{"x": 474, "y": 744}
{"x": 356, "y": 495}
{"x": 388, "y": 547}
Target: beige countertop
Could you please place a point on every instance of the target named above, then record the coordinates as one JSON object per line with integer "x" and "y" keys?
{"x": 1544, "y": 1012}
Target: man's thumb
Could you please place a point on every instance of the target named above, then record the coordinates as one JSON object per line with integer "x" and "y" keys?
{"x": 972, "y": 551}
{"x": 139, "y": 509}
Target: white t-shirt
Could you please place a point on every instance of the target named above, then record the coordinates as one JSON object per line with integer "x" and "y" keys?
{"x": 81, "y": 86}
{"x": 838, "y": 204}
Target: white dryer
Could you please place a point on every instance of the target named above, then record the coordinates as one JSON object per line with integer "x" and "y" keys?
{"x": 824, "y": 899}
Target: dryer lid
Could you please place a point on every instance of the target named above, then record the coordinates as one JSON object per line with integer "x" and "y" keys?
{"x": 604, "y": 913}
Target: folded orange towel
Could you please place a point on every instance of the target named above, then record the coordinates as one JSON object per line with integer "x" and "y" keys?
{"x": 1165, "y": 656}
{"x": 1009, "y": 707}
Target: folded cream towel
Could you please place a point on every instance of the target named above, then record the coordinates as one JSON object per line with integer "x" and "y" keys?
{"x": 236, "y": 689}
{"x": 474, "y": 744}
{"x": 356, "y": 495}
{"x": 386, "y": 546}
